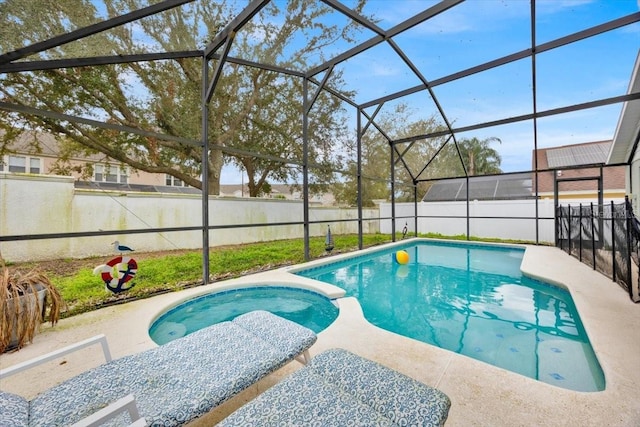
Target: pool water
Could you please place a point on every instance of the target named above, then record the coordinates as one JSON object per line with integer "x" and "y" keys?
{"x": 306, "y": 308}
{"x": 473, "y": 300}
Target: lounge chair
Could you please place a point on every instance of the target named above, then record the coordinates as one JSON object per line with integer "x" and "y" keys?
{"x": 173, "y": 383}
{"x": 339, "y": 388}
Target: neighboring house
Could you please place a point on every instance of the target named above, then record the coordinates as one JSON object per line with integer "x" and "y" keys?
{"x": 278, "y": 191}
{"x": 37, "y": 153}
{"x": 25, "y": 158}
{"x": 234, "y": 190}
{"x": 574, "y": 179}
{"x": 626, "y": 138}
{"x": 565, "y": 163}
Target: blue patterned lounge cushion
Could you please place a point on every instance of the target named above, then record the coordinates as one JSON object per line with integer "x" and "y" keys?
{"x": 14, "y": 410}
{"x": 183, "y": 379}
{"x": 339, "y": 388}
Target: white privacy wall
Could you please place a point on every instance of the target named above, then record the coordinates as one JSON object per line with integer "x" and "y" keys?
{"x": 37, "y": 204}
{"x": 514, "y": 218}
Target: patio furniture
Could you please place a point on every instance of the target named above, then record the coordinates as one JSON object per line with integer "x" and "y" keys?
{"x": 173, "y": 383}
{"x": 339, "y": 388}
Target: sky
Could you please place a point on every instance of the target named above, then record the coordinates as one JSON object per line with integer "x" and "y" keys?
{"x": 483, "y": 30}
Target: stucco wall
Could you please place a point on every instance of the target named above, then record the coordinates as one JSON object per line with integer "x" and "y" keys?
{"x": 448, "y": 221}
{"x": 37, "y": 204}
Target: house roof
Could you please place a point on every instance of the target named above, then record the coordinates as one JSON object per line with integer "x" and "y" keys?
{"x": 32, "y": 142}
{"x": 567, "y": 159}
{"x": 44, "y": 144}
{"x": 275, "y": 188}
{"x": 115, "y": 186}
{"x": 589, "y": 153}
{"x": 232, "y": 188}
{"x": 578, "y": 154}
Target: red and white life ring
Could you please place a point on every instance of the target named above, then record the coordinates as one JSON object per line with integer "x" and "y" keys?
{"x": 117, "y": 272}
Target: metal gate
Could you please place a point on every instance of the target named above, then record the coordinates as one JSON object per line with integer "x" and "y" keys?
{"x": 605, "y": 237}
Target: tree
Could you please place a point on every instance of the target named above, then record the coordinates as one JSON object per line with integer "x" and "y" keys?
{"x": 421, "y": 159}
{"x": 281, "y": 135}
{"x": 479, "y": 158}
{"x": 376, "y": 157}
{"x": 443, "y": 161}
{"x": 375, "y": 174}
{"x": 251, "y": 109}
{"x": 415, "y": 161}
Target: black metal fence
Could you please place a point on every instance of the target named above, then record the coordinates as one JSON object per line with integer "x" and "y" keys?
{"x": 605, "y": 237}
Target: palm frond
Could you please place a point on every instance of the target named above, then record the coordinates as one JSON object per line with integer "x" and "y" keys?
{"x": 21, "y": 313}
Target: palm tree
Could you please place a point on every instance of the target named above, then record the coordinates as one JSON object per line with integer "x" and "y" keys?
{"x": 479, "y": 157}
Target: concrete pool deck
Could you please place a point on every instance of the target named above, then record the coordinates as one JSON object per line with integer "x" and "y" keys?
{"x": 481, "y": 394}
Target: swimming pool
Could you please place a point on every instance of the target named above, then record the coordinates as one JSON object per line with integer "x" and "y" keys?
{"x": 472, "y": 299}
{"x": 306, "y": 308}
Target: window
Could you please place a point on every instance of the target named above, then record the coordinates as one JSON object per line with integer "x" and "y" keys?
{"x": 111, "y": 174}
{"x": 34, "y": 165}
{"x": 172, "y": 181}
{"x": 17, "y": 164}
{"x": 21, "y": 164}
{"x": 108, "y": 173}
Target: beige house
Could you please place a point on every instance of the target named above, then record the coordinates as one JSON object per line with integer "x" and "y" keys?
{"x": 38, "y": 152}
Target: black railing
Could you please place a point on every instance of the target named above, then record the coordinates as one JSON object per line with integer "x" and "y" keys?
{"x": 605, "y": 237}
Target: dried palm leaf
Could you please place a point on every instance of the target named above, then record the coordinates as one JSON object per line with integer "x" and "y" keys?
{"x": 21, "y": 313}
